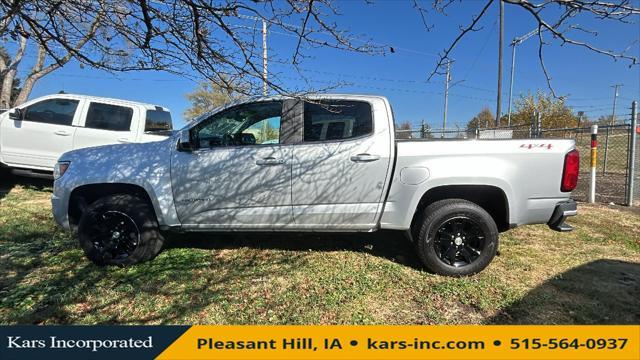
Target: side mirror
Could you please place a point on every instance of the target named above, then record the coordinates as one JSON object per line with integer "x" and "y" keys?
{"x": 184, "y": 141}
{"x": 16, "y": 114}
{"x": 245, "y": 139}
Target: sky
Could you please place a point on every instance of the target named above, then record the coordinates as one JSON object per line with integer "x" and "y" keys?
{"x": 585, "y": 77}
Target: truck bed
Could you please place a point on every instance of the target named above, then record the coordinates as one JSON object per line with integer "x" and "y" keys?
{"x": 527, "y": 171}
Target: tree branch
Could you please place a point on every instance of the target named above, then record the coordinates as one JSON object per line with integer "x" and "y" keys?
{"x": 471, "y": 27}
{"x": 603, "y": 10}
{"x": 302, "y": 32}
{"x": 147, "y": 21}
{"x": 17, "y": 57}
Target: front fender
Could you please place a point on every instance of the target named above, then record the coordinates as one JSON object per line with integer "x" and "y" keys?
{"x": 145, "y": 165}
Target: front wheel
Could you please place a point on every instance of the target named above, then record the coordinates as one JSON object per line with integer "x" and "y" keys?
{"x": 119, "y": 230}
{"x": 456, "y": 238}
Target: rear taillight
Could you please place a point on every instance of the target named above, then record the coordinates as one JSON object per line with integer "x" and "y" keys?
{"x": 570, "y": 171}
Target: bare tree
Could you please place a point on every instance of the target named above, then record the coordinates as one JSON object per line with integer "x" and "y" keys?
{"x": 556, "y": 20}
{"x": 14, "y": 86}
{"x": 217, "y": 39}
{"x": 220, "y": 40}
{"x": 20, "y": 31}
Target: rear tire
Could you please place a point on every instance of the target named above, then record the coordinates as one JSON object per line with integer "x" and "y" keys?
{"x": 119, "y": 230}
{"x": 456, "y": 238}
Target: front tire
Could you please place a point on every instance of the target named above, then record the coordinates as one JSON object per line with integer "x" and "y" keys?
{"x": 119, "y": 230}
{"x": 456, "y": 238}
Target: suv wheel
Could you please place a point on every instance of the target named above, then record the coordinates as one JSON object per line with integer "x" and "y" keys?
{"x": 456, "y": 238}
{"x": 119, "y": 230}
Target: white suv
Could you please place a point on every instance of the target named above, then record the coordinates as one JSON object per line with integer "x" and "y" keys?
{"x": 34, "y": 134}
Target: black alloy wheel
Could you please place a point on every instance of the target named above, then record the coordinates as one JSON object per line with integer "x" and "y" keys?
{"x": 459, "y": 241}
{"x": 115, "y": 234}
{"x": 456, "y": 237}
{"x": 120, "y": 229}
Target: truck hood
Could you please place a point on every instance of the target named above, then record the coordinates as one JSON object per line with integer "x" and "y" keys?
{"x": 121, "y": 162}
{"x": 120, "y": 152}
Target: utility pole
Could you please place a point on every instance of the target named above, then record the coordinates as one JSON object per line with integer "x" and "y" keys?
{"x": 446, "y": 97}
{"x": 615, "y": 97}
{"x": 264, "y": 46}
{"x": 580, "y": 116}
{"x": 611, "y": 123}
{"x": 579, "y": 132}
{"x": 264, "y": 57}
{"x": 516, "y": 41}
{"x": 513, "y": 66}
{"x": 500, "y": 45}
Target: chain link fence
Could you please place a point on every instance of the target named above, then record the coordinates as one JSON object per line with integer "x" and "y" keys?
{"x": 612, "y": 167}
{"x": 613, "y": 162}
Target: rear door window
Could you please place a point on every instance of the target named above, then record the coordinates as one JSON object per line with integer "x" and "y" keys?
{"x": 109, "y": 117}
{"x": 337, "y": 120}
{"x": 53, "y": 111}
{"x": 158, "y": 120}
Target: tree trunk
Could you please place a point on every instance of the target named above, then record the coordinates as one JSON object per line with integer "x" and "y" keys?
{"x": 39, "y": 70}
{"x": 36, "y": 73}
{"x": 26, "y": 89}
{"x": 7, "y": 87}
{"x": 8, "y": 72}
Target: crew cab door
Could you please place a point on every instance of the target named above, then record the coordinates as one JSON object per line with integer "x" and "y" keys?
{"x": 238, "y": 176}
{"x": 43, "y": 134}
{"x": 341, "y": 168}
{"x": 103, "y": 123}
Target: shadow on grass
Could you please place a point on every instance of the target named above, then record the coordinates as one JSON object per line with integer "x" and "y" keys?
{"x": 68, "y": 289}
{"x": 8, "y": 181}
{"x": 599, "y": 292}
{"x": 390, "y": 245}
{"x": 48, "y": 280}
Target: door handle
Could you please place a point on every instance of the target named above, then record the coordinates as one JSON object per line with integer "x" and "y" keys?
{"x": 364, "y": 158}
{"x": 123, "y": 140}
{"x": 269, "y": 161}
{"x": 62, "y": 132}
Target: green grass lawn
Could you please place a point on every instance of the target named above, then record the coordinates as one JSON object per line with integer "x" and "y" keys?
{"x": 591, "y": 275}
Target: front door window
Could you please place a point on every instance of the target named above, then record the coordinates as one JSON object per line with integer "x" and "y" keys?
{"x": 53, "y": 111}
{"x": 250, "y": 124}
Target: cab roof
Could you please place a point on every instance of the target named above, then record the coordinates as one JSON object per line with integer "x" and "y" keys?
{"x": 100, "y": 99}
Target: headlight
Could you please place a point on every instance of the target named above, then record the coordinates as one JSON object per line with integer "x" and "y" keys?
{"x": 60, "y": 168}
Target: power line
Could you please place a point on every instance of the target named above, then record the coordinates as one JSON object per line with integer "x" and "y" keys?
{"x": 479, "y": 53}
{"x": 397, "y": 80}
{"x": 117, "y": 78}
{"x": 602, "y": 106}
{"x": 474, "y": 87}
{"x": 592, "y": 110}
{"x": 588, "y": 108}
{"x": 588, "y": 99}
{"x": 384, "y": 88}
{"x": 364, "y": 77}
{"x": 395, "y": 48}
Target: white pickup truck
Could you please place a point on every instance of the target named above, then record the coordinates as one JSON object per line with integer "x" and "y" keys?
{"x": 35, "y": 134}
{"x": 325, "y": 163}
